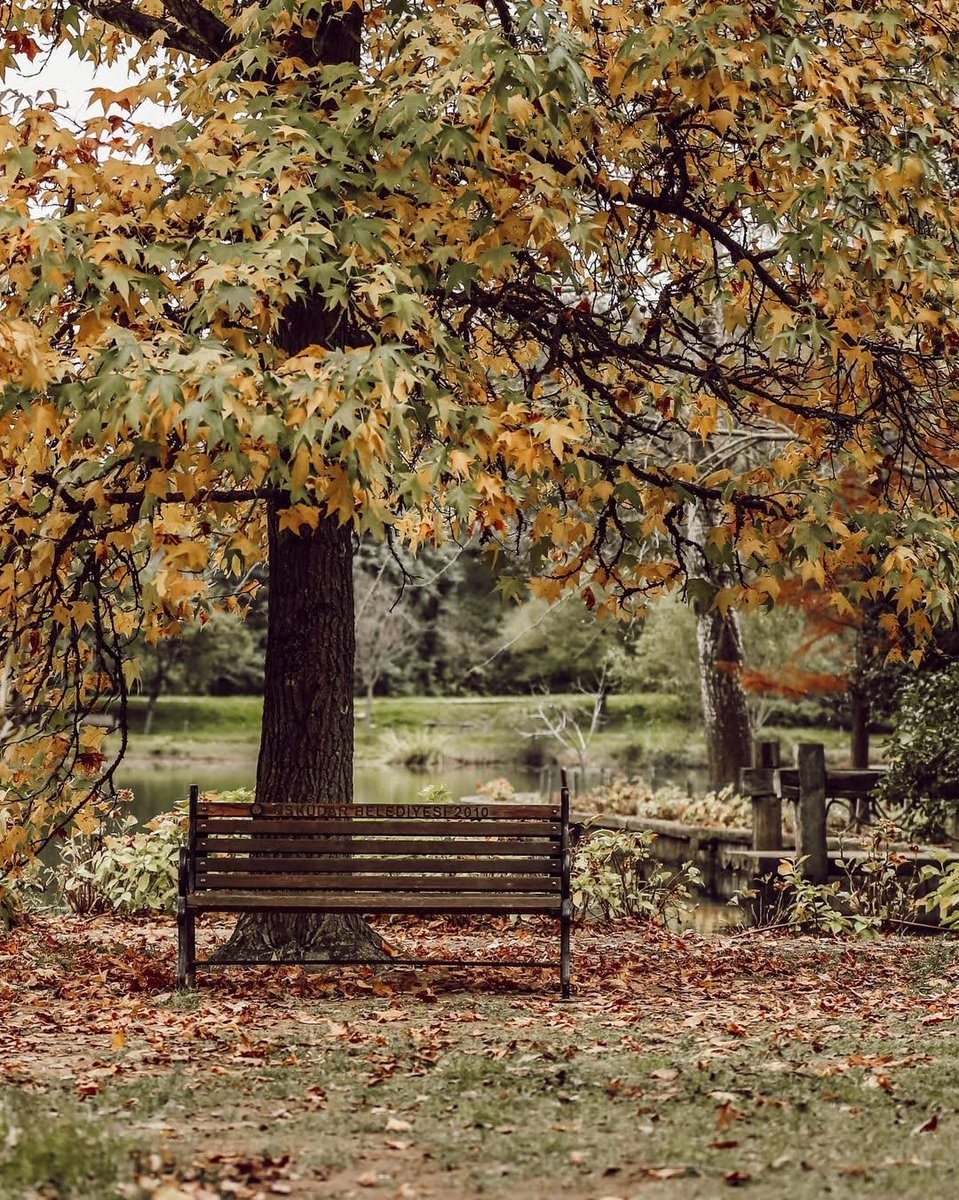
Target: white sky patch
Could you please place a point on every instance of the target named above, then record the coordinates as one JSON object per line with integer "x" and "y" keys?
{"x": 73, "y": 79}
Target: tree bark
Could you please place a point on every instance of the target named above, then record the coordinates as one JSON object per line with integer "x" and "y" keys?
{"x": 720, "y": 646}
{"x": 859, "y": 698}
{"x": 859, "y": 733}
{"x": 725, "y": 715}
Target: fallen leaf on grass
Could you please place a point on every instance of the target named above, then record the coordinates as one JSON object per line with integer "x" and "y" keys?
{"x": 665, "y": 1172}
{"x": 879, "y": 1080}
{"x": 727, "y": 1115}
{"x": 397, "y": 1125}
{"x": 723, "y": 1145}
{"x": 392, "y": 1014}
{"x": 929, "y": 1126}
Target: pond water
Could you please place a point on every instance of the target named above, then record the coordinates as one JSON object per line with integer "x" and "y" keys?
{"x": 155, "y": 789}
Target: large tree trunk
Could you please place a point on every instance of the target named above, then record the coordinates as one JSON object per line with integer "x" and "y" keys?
{"x": 306, "y": 742}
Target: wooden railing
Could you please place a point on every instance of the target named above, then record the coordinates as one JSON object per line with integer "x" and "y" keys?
{"x": 812, "y": 786}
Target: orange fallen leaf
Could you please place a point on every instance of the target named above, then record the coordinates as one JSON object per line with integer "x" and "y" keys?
{"x": 726, "y": 1115}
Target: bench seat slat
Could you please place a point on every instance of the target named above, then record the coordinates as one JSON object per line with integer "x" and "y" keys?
{"x": 232, "y": 844}
{"x": 366, "y": 902}
{"x": 435, "y": 863}
{"x": 481, "y": 811}
{"x": 380, "y": 828}
{"x": 221, "y": 880}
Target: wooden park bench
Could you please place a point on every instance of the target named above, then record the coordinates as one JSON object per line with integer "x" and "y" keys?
{"x": 376, "y": 858}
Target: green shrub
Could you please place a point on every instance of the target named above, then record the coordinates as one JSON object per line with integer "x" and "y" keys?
{"x": 74, "y": 875}
{"x": 416, "y": 749}
{"x": 634, "y": 797}
{"x": 132, "y": 871}
{"x": 924, "y": 755}
{"x": 872, "y": 897}
{"x": 436, "y": 793}
{"x": 942, "y": 900}
{"x": 616, "y": 875}
{"x": 240, "y": 795}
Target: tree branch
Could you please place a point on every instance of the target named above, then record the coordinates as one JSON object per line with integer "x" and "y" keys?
{"x": 194, "y": 17}
{"x": 195, "y": 31}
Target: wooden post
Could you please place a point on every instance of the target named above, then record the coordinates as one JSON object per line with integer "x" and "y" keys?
{"x": 811, "y": 822}
{"x": 767, "y": 805}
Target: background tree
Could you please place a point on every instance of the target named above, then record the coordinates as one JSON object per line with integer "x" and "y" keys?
{"x": 384, "y": 633}
{"x": 442, "y": 270}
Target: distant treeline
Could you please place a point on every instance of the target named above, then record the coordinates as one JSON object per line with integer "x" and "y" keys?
{"x": 441, "y": 625}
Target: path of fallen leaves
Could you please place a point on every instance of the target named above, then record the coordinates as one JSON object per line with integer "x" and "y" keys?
{"x": 85, "y": 1003}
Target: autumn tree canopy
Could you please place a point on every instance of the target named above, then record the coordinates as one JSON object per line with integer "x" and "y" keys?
{"x": 441, "y": 270}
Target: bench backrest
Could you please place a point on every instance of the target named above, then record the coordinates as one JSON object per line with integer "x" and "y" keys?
{"x": 489, "y": 848}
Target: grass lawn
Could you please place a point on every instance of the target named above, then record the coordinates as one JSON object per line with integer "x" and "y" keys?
{"x": 641, "y": 730}
{"x": 684, "y": 1068}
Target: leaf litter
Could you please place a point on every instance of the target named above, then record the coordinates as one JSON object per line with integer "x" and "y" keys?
{"x": 684, "y": 1064}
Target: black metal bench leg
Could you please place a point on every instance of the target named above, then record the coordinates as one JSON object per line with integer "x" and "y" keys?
{"x": 181, "y": 945}
{"x": 185, "y": 919}
{"x": 564, "y": 971}
{"x": 186, "y": 947}
{"x": 191, "y": 949}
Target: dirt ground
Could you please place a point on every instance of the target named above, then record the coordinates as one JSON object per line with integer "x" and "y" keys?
{"x": 685, "y": 1066}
